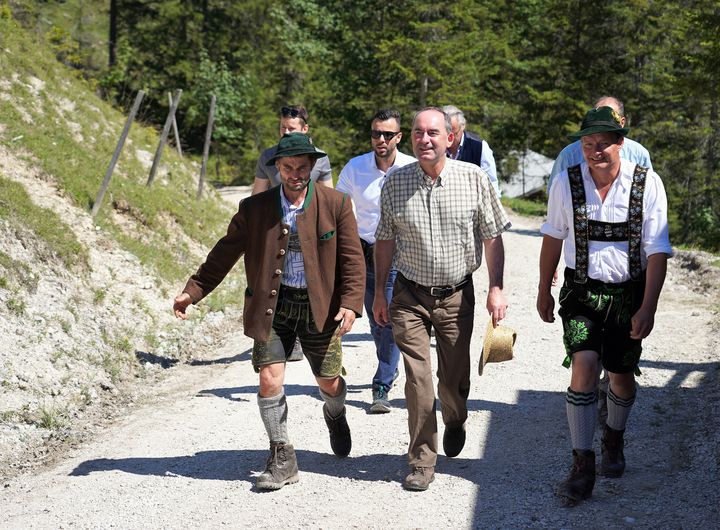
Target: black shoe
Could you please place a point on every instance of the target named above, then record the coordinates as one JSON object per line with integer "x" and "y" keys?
{"x": 340, "y": 440}
{"x": 454, "y": 440}
{"x": 281, "y": 468}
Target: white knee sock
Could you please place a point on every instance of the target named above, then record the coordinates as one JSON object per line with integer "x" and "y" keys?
{"x": 581, "y": 410}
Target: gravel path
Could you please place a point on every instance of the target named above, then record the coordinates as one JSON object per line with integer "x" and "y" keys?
{"x": 188, "y": 460}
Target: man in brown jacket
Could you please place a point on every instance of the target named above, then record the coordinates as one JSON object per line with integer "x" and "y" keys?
{"x": 306, "y": 279}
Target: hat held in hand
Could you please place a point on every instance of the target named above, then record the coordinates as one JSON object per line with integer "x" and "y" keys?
{"x": 497, "y": 346}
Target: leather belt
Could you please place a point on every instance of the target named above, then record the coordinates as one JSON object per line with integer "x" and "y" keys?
{"x": 438, "y": 292}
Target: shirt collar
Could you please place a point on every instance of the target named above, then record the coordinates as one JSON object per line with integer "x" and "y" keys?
{"x": 460, "y": 148}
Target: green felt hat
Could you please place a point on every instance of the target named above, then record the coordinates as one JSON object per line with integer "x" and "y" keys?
{"x": 295, "y": 144}
{"x": 601, "y": 119}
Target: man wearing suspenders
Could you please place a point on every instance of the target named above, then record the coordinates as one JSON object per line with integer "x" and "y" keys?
{"x": 608, "y": 216}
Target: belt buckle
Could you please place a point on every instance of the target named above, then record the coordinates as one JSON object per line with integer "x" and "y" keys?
{"x": 440, "y": 292}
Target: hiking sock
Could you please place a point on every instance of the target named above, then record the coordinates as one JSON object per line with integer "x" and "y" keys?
{"x": 273, "y": 411}
{"x": 618, "y": 410}
{"x": 335, "y": 404}
{"x": 581, "y": 410}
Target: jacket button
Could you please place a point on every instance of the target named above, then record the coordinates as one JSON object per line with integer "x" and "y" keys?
{"x": 269, "y": 312}
{"x": 273, "y": 292}
{"x": 278, "y": 272}
{"x": 282, "y": 251}
{"x": 284, "y": 231}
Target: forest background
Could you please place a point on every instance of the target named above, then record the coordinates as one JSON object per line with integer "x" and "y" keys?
{"x": 524, "y": 72}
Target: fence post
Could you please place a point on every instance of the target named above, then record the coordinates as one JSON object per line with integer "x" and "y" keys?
{"x": 175, "y": 127}
{"x": 206, "y": 147}
{"x": 163, "y": 137}
{"x": 116, "y": 155}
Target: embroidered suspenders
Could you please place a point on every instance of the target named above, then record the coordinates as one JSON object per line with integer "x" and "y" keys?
{"x": 587, "y": 230}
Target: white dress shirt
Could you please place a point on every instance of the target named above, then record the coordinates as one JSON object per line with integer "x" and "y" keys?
{"x": 363, "y": 181}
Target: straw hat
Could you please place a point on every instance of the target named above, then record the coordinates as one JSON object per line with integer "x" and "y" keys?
{"x": 497, "y": 346}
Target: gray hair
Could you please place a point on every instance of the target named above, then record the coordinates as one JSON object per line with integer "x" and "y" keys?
{"x": 453, "y": 112}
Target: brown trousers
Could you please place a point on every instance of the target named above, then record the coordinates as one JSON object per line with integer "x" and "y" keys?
{"x": 412, "y": 313}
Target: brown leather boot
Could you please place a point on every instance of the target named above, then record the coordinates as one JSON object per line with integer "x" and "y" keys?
{"x": 580, "y": 482}
{"x": 612, "y": 464}
{"x": 281, "y": 468}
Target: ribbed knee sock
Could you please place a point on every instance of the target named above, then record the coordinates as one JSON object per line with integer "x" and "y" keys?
{"x": 618, "y": 410}
{"x": 582, "y": 414}
{"x": 273, "y": 411}
{"x": 335, "y": 404}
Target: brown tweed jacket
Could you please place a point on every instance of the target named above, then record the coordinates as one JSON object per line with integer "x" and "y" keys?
{"x": 334, "y": 263}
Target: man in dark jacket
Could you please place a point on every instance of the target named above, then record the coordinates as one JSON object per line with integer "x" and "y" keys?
{"x": 306, "y": 280}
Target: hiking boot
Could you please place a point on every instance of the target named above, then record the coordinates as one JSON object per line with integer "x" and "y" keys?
{"x": 453, "y": 440}
{"x": 612, "y": 464}
{"x": 419, "y": 479}
{"x": 380, "y": 404}
{"x": 281, "y": 468}
{"x": 340, "y": 440}
{"x": 580, "y": 482}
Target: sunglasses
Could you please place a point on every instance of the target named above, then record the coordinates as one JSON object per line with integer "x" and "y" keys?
{"x": 389, "y": 135}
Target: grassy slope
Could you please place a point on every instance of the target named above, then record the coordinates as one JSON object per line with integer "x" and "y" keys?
{"x": 63, "y": 128}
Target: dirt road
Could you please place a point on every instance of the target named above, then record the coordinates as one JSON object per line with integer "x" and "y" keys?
{"x": 189, "y": 459}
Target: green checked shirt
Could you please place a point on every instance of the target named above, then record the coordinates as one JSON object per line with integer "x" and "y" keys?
{"x": 438, "y": 228}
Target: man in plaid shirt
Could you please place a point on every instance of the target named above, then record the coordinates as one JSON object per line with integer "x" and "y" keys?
{"x": 437, "y": 215}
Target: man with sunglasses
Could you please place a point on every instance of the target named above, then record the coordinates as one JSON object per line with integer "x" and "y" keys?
{"x": 293, "y": 118}
{"x": 362, "y": 179}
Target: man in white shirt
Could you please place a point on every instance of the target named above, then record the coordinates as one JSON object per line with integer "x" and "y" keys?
{"x": 608, "y": 216}
{"x": 572, "y": 154}
{"x": 362, "y": 179}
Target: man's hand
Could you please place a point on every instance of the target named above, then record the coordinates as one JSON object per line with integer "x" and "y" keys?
{"x": 642, "y": 323}
{"x": 346, "y": 317}
{"x": 546, "y": 306}
{"x": 180, "y": 305}
{"x": 380, "y": 309}
{"x": 555, "y": 278}
{"x": 496, "y": 305}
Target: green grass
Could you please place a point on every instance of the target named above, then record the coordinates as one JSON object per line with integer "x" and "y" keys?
{"x": 17, "y": 207}
{"x": 51, "y": 417}
{"x": 16, "y": 306}
{"x": 526, "y": 207}
{"x": 17, "y": 273}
